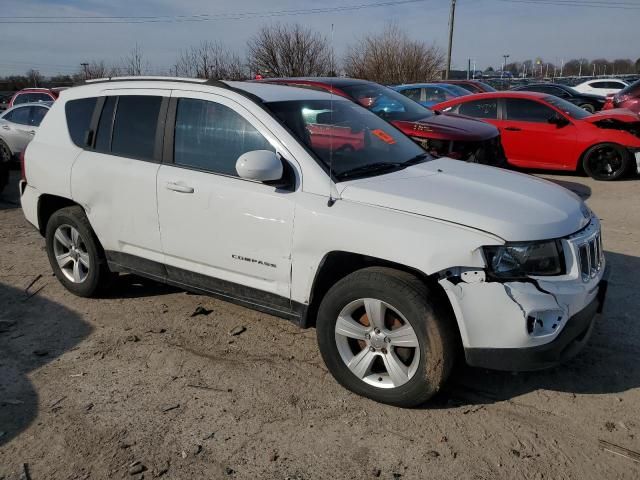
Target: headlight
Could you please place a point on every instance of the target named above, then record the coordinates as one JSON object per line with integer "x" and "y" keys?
{"x": 522, "y": 259}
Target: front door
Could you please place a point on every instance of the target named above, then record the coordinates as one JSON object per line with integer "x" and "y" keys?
{"x": 529, "y": 140}
{"x": 227, "y": 235}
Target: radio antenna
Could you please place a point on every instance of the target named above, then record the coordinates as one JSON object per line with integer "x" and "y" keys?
{"x": 331, "y": 200}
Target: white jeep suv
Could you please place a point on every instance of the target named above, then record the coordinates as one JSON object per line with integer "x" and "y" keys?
{"x": 309, "y": 207}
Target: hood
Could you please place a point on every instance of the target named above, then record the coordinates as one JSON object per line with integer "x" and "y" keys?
{"x": 513, "y": 206}
{"x": 619, "y": 114}
{"x": 447, "y": 126}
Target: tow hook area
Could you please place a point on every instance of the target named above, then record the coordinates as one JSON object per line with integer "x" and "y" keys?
{"x": 506, "y": 315}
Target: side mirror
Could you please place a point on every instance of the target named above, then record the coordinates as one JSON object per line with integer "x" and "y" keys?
{"x": 260, "y": 165}
{"x": 558, "y": 120}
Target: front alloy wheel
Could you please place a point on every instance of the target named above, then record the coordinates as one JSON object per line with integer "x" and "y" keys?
{"x": 377, "y": 343}
{"x": 606, "y": 161}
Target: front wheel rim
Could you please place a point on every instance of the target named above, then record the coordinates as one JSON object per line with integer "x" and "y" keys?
{"x": 377, "y": 343}
{"x": 71, "y": 253}
{"x": 605, "y": 162}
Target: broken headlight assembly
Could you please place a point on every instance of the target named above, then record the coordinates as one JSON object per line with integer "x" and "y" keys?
{"x": 522, "y": 259}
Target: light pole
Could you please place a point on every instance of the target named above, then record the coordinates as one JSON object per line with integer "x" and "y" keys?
{"x": 504, "y": 64}
{"x": 84, "y": 66}
{"x": 452, "y": 16}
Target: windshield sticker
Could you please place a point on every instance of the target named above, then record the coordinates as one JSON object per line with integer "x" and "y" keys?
{"x": 384, "y": 136}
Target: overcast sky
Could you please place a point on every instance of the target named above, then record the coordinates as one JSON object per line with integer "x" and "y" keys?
{"x": 485, "y": 29}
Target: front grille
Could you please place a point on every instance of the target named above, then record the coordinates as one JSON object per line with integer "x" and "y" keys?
{"x": 591, "y": 257}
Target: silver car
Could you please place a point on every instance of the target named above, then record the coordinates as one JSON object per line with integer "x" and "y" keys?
{"x": 18, "y": 125}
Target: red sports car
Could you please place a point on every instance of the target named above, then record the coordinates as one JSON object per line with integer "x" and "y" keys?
{"x": 441, "y": 135}
{"x": 546, "y": 132}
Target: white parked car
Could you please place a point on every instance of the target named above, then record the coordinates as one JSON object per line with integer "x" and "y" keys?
{"x": 309, "y": 207}
{"x": 601, "y": 86}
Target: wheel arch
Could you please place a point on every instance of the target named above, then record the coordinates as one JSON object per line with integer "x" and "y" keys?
{"x": 49, "y": 204}
{"x": 336, "y": 265}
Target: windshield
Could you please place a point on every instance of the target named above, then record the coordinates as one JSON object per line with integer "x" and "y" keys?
{"x": 567, "y": 107}
{"x": 354, "y": 141}
{"x": 387, "y": 103}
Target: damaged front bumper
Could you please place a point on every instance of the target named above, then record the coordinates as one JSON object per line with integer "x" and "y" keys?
{"x": 573, "y": 337}
{"x": 533, "y": 323}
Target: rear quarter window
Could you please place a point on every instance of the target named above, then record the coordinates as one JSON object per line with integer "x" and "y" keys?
{"x": 78, "y": 113}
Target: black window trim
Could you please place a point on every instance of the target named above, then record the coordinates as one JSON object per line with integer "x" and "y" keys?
{"x": 169, "y": 144}
{"x": 160, "y": 128}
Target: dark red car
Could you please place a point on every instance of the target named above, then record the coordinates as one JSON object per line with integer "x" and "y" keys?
{"x": 547, "y": 132}
{"x": 628, "y": 97}
{"x": 474, "y": 86}
{"x": 31, "y": 95}
{"x": 441, "y": 135}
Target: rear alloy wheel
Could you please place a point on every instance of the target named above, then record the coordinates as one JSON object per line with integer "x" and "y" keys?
{"x": 606, "y": 161}
{"x": 381, "y": 338}
{"x": 588, "y": 107}
{"x": 75, "y": 254}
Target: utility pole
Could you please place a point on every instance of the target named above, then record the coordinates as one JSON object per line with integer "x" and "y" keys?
{"x": 452, "y": 16}
{"x": 84, "y": 66}
{"x": 468, "y": 69}
{"x": 504, "y": 64}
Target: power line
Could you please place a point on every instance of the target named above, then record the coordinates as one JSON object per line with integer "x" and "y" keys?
{"x": 203, "y": 17}
{"x": 580, "y": 3}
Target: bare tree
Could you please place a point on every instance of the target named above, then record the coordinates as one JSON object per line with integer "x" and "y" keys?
{"x": 289, "y": 51}
{"x": 392, "y": 57}
{"x": 210, "y": 60}
{"x": 34, "y": 77}
{"x": 96, "y": 69}
{"x": 134, "y": 64}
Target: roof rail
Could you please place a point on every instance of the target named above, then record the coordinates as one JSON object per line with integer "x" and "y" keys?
{"x": 201, "y": 81}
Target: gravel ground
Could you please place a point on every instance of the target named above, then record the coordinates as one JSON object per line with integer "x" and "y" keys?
{"x": 136, "y": 386}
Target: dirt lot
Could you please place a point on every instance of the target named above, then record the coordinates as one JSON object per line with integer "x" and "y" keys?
{"x": 89, "y": 387}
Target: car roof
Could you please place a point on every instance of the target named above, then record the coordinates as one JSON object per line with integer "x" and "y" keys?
{"x": 265, "y": 92}
{"x": 544, "y": 84}
{"x": 605, "y": 80}
{"x": 501, "y": 94}
{"x": 333, "y": 81}
{"x": 34, "y": 89}
{"x": 425, "y": 84}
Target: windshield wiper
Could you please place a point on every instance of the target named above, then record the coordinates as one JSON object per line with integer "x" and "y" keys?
{"x": 371, "y": 168}
{"x": 417, "y": 159}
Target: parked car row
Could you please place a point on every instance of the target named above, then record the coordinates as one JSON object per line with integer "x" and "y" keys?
{"x": 247, "y": 191}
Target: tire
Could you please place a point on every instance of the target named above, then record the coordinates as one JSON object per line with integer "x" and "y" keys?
{"x": 588, "y": 107}
{"x": 83, "y": 271}
{"x": 424, "y": 367}
{"x": 606, "y": 161}
{"x": 5, "y": 164}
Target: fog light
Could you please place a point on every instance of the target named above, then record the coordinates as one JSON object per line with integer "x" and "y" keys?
{"x": 544, "y": 322}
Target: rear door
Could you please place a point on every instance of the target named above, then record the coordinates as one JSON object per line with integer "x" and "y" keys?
{"x": 530, "y": 140}
{"x": 220, "y": 232}
{"x": 114, "y": 177}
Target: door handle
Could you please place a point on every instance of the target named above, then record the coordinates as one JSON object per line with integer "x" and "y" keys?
{"x": 513, "y": 129}
{"x": 177, "y": 187}
{"x": 6, "y": 127}
{"x": 31, "y": 132}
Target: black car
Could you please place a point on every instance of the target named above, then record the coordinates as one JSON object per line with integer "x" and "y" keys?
{"x": 591, "y": 103}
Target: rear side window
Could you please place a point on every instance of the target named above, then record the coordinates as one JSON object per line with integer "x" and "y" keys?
{"x": 480, "y": 109}
{"x": 412, "y": 93}
{"x": 79, "y": 114}
{"x": 521, "y": 110}
{"x": 134, "y": 126}
{"x": 37, "y": 114}
{"x": 210, "y": 136}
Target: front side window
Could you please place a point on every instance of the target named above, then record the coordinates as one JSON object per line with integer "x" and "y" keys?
{"x": 210, "y": 136}
{"x": 437, "y": 94}
{"x": 521, "y": 110}
{"x": 134, "y": 126}
{"x": 412, "y": 93}
{"x": 480, "y": 108}
{"x": 37, "y": 114}
{"x": 346, "y": 138}
{"x": 18, "y": 115}
{"x": 78, "y": 113}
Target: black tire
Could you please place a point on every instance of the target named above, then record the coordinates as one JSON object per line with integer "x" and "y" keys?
{"x": 410, "y": 296}
{"x": 606, "y": 161}
{"x": 98, "y": 275}
{"x": 588, "y": 107}
{"x": 5, "y": 164}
